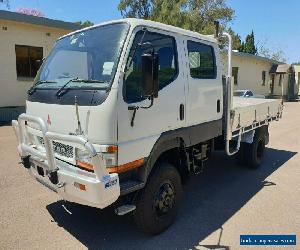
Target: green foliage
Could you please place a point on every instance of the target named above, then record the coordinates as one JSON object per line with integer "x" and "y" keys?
{"x": 85, "y": 24}
{"x": 196, "y": 15}
{"x": 249, "y": 46}
{"x": 236, "y": 40}
{"x": 276, "y": 54}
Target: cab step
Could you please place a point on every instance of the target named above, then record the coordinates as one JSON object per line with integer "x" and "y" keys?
{"x": 125, "y": 209}
{"x": 130, "y": 186}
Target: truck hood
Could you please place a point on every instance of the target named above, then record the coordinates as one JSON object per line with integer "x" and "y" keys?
{"x": 99, "y": 123}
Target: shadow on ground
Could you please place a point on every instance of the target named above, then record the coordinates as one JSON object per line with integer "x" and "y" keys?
{"x": 210, "y": 200}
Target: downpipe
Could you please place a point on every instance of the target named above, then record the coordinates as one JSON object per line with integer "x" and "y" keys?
{"x": 229, "y": 101}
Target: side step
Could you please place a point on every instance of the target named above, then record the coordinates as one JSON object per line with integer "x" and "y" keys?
{"x": 124, "y": 209}
{"x": 130, "y": 186}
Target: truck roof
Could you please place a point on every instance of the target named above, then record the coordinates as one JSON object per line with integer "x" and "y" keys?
{"x": 134, "y": 22}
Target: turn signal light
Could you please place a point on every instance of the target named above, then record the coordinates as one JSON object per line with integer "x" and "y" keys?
{"x": 112, "y": 149}
{"x": 80, "y": 186}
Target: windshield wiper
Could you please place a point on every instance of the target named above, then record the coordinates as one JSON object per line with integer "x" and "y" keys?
{"x": 60, "y": 92}
{"x": 33, "y": 88}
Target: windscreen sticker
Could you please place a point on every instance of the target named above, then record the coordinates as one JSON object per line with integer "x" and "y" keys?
{"x": 107, "y": 68}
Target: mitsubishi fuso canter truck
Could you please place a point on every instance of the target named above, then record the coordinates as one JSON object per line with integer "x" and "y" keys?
{"x": 124, "y": 112}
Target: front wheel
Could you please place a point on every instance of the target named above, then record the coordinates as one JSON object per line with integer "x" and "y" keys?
{"x": 157, "y": 204}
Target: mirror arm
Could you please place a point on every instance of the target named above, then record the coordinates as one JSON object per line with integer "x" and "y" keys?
{"x": 135, "y": 108}
{"x": 151, "y": 104}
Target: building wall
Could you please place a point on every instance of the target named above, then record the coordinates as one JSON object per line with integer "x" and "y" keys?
{"x": 13, "y": 90}
{"x": 250, "y": 75}
{"x": 279, "y": 89}
{"x": 297, "y": 78}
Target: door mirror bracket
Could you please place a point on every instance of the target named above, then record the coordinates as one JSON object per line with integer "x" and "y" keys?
{"x": 150, "y": 83}
{"x": 135, "y": 108}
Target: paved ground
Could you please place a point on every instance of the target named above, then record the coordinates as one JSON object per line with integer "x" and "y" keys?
{"x": 218, "y": 206}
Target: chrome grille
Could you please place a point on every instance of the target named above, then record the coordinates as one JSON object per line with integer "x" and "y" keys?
{"x": 60, "y": 148}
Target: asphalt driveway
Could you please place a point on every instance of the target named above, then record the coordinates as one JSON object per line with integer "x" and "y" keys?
{"x": 225, "y": 201}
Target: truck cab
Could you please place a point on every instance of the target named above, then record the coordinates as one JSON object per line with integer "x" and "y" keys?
{"x": 123, "y": 112}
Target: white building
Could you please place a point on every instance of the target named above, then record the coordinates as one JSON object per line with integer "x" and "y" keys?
{"x": 264, "y": 76}
{"x": 24, "y": 41}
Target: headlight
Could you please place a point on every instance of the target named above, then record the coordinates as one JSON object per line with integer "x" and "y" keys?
{"x": 110, "y": 156}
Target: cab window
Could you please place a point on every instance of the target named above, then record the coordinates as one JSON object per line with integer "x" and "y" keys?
{"x": 165, "y": 47}
{"x": 201, "y": 60}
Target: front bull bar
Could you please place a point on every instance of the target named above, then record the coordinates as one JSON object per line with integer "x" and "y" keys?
{"x": 25, "y": 149}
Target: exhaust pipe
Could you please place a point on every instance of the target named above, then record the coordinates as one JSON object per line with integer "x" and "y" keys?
{"x": 229, "y": 100}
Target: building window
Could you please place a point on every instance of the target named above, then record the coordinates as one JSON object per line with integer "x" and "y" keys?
{"x": 165, "y": 47}
{"x": 280, "y": 79}
{"x": 235, "y": 74}
{"x": 28, "y": 60}
{"x": 201, "y": 60}
{"x": 263, "y": 77}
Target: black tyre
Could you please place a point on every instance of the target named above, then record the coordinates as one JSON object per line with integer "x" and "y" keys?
{"x": 254, "y": 152}
{"x": 157, "y": 204}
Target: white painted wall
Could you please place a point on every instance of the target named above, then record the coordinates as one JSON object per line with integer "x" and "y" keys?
{"x": 13, "y": 91}
{"x": 297, "y": 77}
{"x": 250, "y": 75}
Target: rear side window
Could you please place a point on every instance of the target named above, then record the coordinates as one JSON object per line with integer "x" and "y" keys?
{"x": 201, "y": 60}
{"x": 165, "y": 47}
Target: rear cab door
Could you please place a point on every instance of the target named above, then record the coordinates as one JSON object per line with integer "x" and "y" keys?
{"x": 204, "y": 91}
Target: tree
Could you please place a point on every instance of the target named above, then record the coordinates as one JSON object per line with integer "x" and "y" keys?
{"x": 276, "y": 54}
{"x": 236, "y": 40}
{"x": 196, "y": 15}
{"x": 85, "y": 24}
{"x": 6, "y": 2}
{"x": 249, "y": 46}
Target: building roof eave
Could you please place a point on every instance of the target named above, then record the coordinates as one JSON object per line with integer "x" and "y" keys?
{"x": 35, "y": 20}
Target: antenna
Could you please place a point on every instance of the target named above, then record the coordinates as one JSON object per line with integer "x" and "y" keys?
{"x": 78, "y": 130}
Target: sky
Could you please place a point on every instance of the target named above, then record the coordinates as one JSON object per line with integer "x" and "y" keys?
{"x": 275, "y": 23}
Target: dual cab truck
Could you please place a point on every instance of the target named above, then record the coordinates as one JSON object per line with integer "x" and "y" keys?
{"x": 124, "y": 112}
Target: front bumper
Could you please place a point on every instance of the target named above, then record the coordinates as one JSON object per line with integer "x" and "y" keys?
{"x": 98, "y": 189}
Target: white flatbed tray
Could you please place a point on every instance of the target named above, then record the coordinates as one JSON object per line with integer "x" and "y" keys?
{"x": 249, "y": 113}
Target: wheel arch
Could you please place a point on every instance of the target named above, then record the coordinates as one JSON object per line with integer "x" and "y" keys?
{"x": 168, "y": 148}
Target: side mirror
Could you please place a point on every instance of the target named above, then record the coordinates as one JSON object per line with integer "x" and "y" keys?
{"x": 150, "y": 82}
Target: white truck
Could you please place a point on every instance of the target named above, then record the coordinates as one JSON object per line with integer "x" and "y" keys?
{"x": 122, "y": 113}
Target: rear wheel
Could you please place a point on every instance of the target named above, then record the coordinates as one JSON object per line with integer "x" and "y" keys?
{"x": 157, "y": 204}
{"x": 252, "y": 154}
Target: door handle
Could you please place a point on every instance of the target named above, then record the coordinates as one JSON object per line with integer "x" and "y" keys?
{"x": 181, "y": 112}
{"x": 218, "y": 106}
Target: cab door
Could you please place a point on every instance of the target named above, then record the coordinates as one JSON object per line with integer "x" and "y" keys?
{"x": 204, "y": 97}
{"x": 137, "y": 134}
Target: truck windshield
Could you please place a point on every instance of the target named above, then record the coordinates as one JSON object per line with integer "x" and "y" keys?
{"x": 90, "y": 54}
